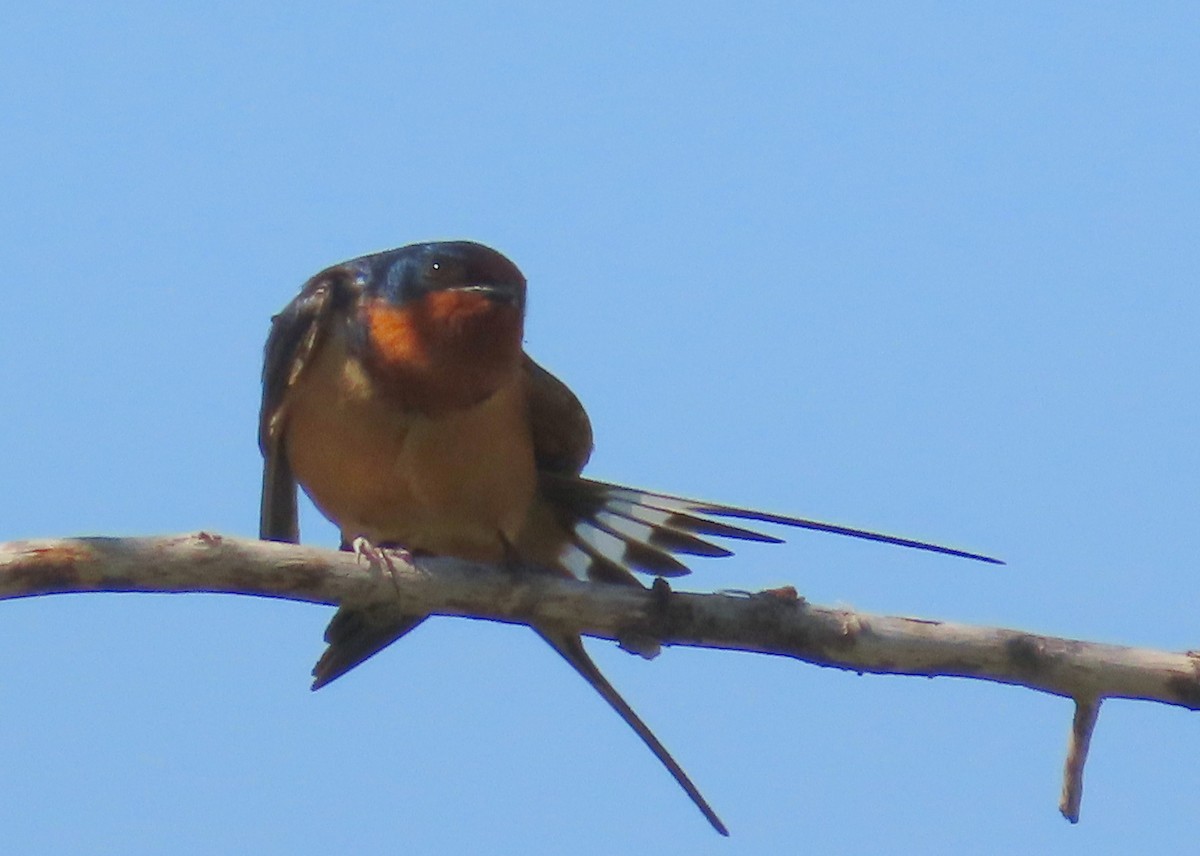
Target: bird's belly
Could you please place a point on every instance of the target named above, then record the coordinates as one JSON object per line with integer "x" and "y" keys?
{"x": 459, "y": 484}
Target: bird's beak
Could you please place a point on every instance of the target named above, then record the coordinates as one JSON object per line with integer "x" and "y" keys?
{"x": 509, "y": 295}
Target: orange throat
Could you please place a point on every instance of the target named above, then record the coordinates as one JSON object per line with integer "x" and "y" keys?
{"x": 447, "y": 351}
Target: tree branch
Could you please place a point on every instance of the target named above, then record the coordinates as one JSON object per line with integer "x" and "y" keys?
{"x": 777, "y": 621}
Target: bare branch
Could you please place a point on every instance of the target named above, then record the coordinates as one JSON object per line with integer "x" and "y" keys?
{"x": 771, "y": 622}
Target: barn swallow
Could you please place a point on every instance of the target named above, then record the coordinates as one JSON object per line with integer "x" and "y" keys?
{"x": 397, "y": 393}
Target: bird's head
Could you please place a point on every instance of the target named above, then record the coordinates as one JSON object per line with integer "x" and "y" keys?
{"x": 440, "y": 324}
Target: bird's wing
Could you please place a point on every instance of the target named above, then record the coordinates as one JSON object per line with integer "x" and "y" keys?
{"x": 605, "y": 532}
{"x": 562, "y": 432}
{"x": 296, "y": 334}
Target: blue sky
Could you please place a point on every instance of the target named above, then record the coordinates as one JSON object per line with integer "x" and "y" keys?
{"x": 925, "y": 268}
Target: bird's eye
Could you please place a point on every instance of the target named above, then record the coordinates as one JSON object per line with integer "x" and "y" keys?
{"x": 441, "y": 269}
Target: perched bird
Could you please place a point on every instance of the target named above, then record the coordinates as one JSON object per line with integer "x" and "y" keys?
{"x": 396, "y": 392}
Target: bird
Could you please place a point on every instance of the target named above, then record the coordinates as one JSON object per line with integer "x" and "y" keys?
{"x": 398, "y": 395}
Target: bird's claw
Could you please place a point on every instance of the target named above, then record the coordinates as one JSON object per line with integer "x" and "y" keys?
{"x": 379, "y": 558}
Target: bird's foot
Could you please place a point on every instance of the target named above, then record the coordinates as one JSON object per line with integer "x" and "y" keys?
{"x": 381, "y": 558}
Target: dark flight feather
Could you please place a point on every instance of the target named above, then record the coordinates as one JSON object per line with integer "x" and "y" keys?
{"x": 296, "y": 334}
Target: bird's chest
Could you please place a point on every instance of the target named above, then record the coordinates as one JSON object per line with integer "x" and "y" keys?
{"x": 460, "y": 483}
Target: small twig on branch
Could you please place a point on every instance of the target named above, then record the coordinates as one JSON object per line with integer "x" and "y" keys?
{"x": 772, "y": 622}
{"x": 1087, "y": 711}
